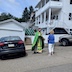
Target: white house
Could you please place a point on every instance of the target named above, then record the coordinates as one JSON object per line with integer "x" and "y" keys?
{"x": 11, "y": 28}
{"x": 54, "y": 14}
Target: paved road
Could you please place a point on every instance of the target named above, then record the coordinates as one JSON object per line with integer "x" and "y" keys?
{"x": 61, "y": 60}
{"x": 60, "y": 68}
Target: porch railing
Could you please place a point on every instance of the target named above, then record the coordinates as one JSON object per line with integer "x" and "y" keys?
{"x": 57, "y": 23}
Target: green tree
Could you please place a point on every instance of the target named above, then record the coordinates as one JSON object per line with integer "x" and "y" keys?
{"x": 25, "y": 16}
{"x": 10, "y": 16}
{"x": 5, "y": 16}
{"x": 31, "y": 10}
{"x": 18, "y": 19}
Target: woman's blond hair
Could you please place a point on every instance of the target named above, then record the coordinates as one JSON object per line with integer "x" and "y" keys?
{"x": 52, "y": 32}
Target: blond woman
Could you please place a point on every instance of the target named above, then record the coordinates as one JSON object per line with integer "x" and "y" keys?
{"x": 51, "y": 41}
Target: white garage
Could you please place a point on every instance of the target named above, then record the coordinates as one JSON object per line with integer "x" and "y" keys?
{"x": 11, "y": 28}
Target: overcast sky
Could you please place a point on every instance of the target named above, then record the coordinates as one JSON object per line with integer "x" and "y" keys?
{"x": 16, "y": 7}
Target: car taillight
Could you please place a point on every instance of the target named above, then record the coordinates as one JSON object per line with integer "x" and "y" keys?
{"x": 20, "y": 42}
{"x": 1, "y": 44}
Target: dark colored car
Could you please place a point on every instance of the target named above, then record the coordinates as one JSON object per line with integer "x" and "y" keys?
{"x": 11, "y": 45}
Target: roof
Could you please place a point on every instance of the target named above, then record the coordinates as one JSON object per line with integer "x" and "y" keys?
{"x": 12, "y": 20}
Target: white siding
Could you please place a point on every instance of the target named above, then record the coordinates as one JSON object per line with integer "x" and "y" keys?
{"x": 52, "y": 4}
{"x": 4, "y": 33}
{"x": 66, "y": 9}
{"x": 11, "y": 29}
{"x": 11, "y": 26}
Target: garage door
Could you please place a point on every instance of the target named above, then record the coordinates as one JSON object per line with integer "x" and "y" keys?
{"x": 12, "y": 33}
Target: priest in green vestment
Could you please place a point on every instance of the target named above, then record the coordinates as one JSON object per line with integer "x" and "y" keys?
{"x": 38, "y": 43}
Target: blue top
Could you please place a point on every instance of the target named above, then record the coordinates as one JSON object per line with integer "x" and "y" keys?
{"x": 51, "y": 39}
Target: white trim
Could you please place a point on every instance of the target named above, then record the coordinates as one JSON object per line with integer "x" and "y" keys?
{"x": 40, "y": 18}
{"x": 50, "y": 4}
{"x": 49, "y": 15}
{"x": 11, "y": 20}
{"x": 11, "y": 30}
{"x": 44, "y": 16}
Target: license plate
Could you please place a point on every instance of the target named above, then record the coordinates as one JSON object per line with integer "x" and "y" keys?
{"x": 10, "y": 45}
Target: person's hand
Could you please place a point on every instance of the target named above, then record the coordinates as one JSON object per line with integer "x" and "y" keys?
{"x": 43, "y": 38}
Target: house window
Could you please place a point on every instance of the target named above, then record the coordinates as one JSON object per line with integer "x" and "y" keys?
{"x": 70, "y": 1}
{"x": 46, "y": 16}
{"x": 55, "y": 0}
{"x": 39, "y": 19}
{"x": 55, "y": 17}
{"x": 39, "y": 22}
{"x": 43, "y": 30}
{"x": 70, "y": 16}
{"x": 42, "y": 17}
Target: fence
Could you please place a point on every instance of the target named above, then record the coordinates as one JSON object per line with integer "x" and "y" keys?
{"x": 30, "y": 32}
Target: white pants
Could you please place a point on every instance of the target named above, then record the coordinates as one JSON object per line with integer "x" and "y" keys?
{"x": 51, "y": 48}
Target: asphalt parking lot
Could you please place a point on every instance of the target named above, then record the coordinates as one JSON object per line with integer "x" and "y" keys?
{"x": 34, "y": 62}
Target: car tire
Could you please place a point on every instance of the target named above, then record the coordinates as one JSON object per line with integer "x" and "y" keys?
{"x": 2, "y": 57}
{"x": 64, "y": 42}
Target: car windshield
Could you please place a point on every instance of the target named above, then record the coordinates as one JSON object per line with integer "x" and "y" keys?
{"x": 10, "y": 38}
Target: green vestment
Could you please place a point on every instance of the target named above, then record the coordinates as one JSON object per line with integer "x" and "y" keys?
{"x": 38, "y": 41}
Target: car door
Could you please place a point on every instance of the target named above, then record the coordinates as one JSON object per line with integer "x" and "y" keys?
{"x": 70, "y": 38}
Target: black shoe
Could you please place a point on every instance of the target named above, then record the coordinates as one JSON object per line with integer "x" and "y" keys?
{"x": 35, "y": 52}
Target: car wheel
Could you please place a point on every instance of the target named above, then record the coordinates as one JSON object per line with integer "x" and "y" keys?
{"x": 64, "y": 42}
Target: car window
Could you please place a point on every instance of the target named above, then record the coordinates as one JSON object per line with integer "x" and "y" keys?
{"x": 60, "y": 31}
{"x": 15, "y": 38}
{"x": 10, "y": 38}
